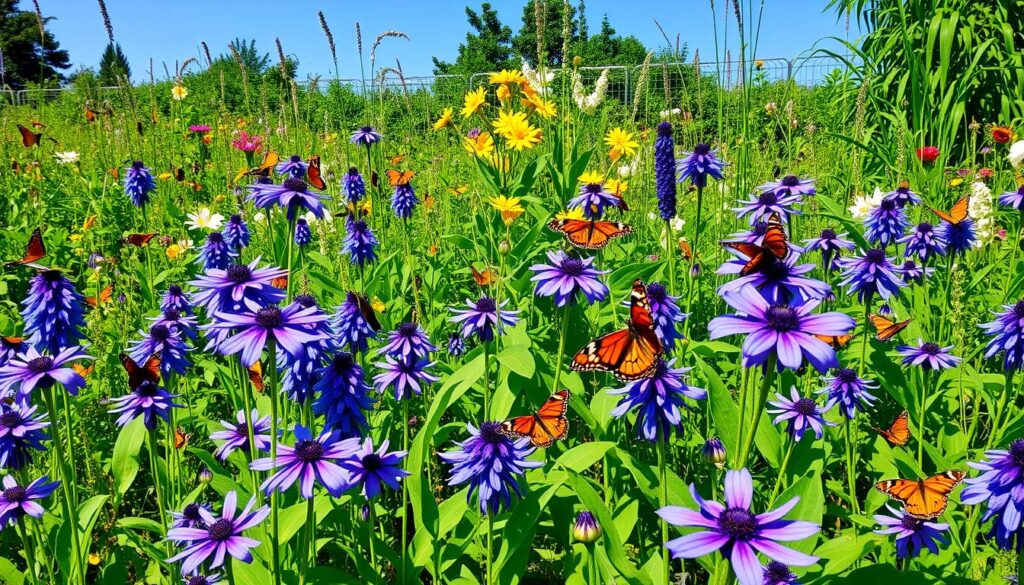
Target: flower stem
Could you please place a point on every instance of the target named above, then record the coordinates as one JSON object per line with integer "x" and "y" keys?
{"x": 154, "y": 467}
{"x": 666, "y": 558}
{"x": 309, "y": 558}
{"x": 563, "y": 330}
{"x": 30, "y": 555}
{"x": 762, "y": 397}
{"x": 372, "y": 532}
{"x": 921, "y": 420}
{"x": 490, "y": 549}
{"x": 275, "y": 546}
{"x": 782, "y": 473}
{"x": 69, "y": 504}
{"x": 487, "y": 380}
{"x": 291, "y": 277}
{"x": 851, "y": 460}
{"x": 670, "y": 256}
{"x": 405, "y": 490}
{"x": 592, "y": 557}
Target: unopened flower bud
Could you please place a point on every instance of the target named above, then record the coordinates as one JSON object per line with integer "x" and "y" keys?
{"x": 586, "y": 529}
{"x": 714, "y": 452}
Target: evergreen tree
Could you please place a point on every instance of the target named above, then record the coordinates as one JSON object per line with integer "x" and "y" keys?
{"x": 488, "y": 45}
{"x": 24, "y": 60}
{"x": 114, "y": 66}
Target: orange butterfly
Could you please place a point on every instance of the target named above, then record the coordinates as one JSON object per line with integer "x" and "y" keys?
{"x": 836, "y": 341}
{"x": 313, "y": 173}
{"x": 28, "y": 137}
{"x": 887, "y": 328}
{"x": 925, "y": 499}
{"x": 35, "y": 250}
{"x": 687, "y": 251}
{"x": 138, "y": 240}
{"x": 83, "y": 371}
{"x": 12, "y": 340}
{"x": 115, "y": 172}
{"x": 181, "y": 438}
{"x": 103, "y": 297}
{"x": 90, "y": 114}
{"x": 589, "y": 234}
{"x": 148, "y": 372}
{"x": 485, "y": 278}
{"x": 957, "y": 214}
{"x": 545, "y": 427}
{"x": 631, "y": 353}
{"x": 774, "y": 246}
{"x": 270, "y": 161}
{"x": 280, "y": 282}
{"x": 396, "y": 160}
{"x": 899, "y": 433}
{"x": 396, "y": 178}
{"x": 256, "y": 376}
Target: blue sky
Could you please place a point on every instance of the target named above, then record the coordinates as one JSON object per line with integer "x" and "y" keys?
{"x": 169, "y": 31}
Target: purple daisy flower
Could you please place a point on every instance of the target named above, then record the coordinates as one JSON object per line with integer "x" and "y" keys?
{"x": 221, "y": 536}
{"x": 177, "y": 300}
{"x": 175, "y": 321}
{"x": 1001, "y": 488}
{"x": 666, "y": 313}
{"x": 456, "y": 345}
{"x": 11, "y": 347}
{"x": 785, "y": 331}
{"x": 831, "y": 245}
{"x": 21, "y": 433}
{"x": 737, "y": 532}
{"x": 930, "y": 356}
{"x": 913, "y": 535}
{"x": 1013, "y": 199}
{"x": 698, "y": 165}
{"x": 754, "y": 235}
{"x": 405, "y": 377}
{"x": 33, "y": 370}
{"x": 240, "y": 287}
{"x": 344, "y": 396}
{"x": 189, "y": 517}
{"x": 779, "y": 281}
{"x": 776, "y": 573}
{"x": 147, "y": 400}
{"x": 293, "y": 194}
{"x": 350, "y": 326}
{"x": 353, "y": 186}
{"x": 236, "y": 233}
{"x": 216, "y": 252}
{"x": 310, "y": 460}
{"x": 665, "y": 171}
{"x": 766, "y": 204}
{"x": 959, "y": 237}
{"x": 912, "y": 273}
{"x": 251, "y": 330}
{"x": 482, "y": 317}
{"x": 870, "y": 274}
{"x": 138, "y": 183}
{"x": 789, "y": 185}
{"x": 366, "y": 136}
{"x": 408, "y": 342}
{"x": 800, "y": 414}
{"x": 491, "y": 463}
{"x": 658, "y": 400}
{"x": 300, "y": 369}
{"x": 902, "y": 196}
{"x": 303, "y": 235}
{"x": 166, "y": 342}
{"x": 924, "y": 242}
{"x": 565, "y": 277}
{"x": 52, "y": 311}
{"x": 236, "y": 435}
{"x": 849, "y": 391}
{"x": 360, "y": 244}
{"x": 368, "y": 469}
{"x": 885, "y": 223}
{"x": 593, "y": 200}
{"x": 17, "y": 501}
{"x": 292, "y": 166}
{"x": 1006, "y": 334}
{"x": 404, "y": 201}
{"x": 210, "y": 579}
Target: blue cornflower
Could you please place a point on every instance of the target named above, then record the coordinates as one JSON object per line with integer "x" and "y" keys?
{"x": 456, "y": 345}
{"x": 930, "y": 356}
{"x": 303, "y": 235}
{"x": 312, "y": 460}
{"x": 923, "y": 241}
{"x": 366, "y": 136}
{"x": 52, "y": 311}
{"x": 351, "y": 327}
{"x": 885, "y": 223}
{"x": 11, "y": 347}
{"x": 17, "y": 501}
{"x": 236, "y": 233}
{"x": 1001, "y": 488}
{"x": 292, "y": 166}
{"x": 360, "y": 244}
{"x": 959, "y": 237}
{"x": 873, "y": 273}
{"x": 174, "y": 319}
{"x": 21, "y": 433}
{"x": 216, "y": 252}
{"x": 221, "y": 537}
{"x": 408, "y": 342}
{"x": 700, "y": 164}
{"x": 902, "y": 196}
{"x": 779, "y": 281}
{"x": 482, "y": 317}
{"x": 353, "y": 186}
{"x": 138, "y": 183}
{"x": 912, "y": 273}
{"x": 1013, "y": 199}
{"x": 166, "y": 342}
{"x": 800, "y": 414}
{"x": 769, "y": 203}
{"x": 147, "y": 400}
{"x": 404, "y": 201}
{"x": 240, "y": 287}
{"x": 790, "y": 184}
{"x": 236, "y": 435}
{"x": 250, "y": 331}
{"x": 1006, "y": 334}
{"x": 665, "y": 171}
{"x": 177, "y": 300}
{"x": 913, "y": 535}
{"x": 344, "y": 396}
{"x": 33, "y": 370}
{"x": 658, "y": 400}
{"x": 849, "y": 391}
{"x": 667, "y": 314}
{"x": 293, "y": 194}
{"x": 565, "y": 277}
{"x": 404, "y": 377}
{"x": 369, "y": 470}
{"x": 831, "y": 245}
{"x": 593, "y": 200}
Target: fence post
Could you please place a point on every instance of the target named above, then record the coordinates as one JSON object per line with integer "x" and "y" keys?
{"x": 789, "y": 70}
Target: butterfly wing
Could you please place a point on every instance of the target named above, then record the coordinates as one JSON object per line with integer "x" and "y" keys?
{"x": 368, "y": 313}
{"x": 959, "y": 211}
{"x": 756, "y": 256}
{"x": 313, "y": 176}
{"x": 485, "y": 278}
{"x": 924, "y": 499}
{"x": 138, "y": 240}
{"x": 103, "y": 297}
{"x": 686, "y": 250}
{"x": 181, "y": 438}
{"x": 255, "y": 372}
{"x": 545, "y": 427}
{"x": 886, "y": 328}
{"x": 28, "y": 137}
{"x": 83, "y": 371}
{"x": 775, "y": 240}
{"x": 35, "y": 250}
{"x": 604, "y": 353}
{"x": 631, "y": 353}
{"x": 149, "y": 372}
{"x": 836, "y": 341}
{"x": 899, "y": 433}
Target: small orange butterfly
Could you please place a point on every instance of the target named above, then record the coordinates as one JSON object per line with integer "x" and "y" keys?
{"x": 396, "y": 178}
{"x": 83, "y": 371}
{"x": 103, "y": 297}
{"x": 35, "y": 250}
{"x": 545, "y": 427}
{"x": 887, "y": 328}
{"x": 313, "y": 176}
{"x": 589, "y": 234}
{"x": 256, "y": 376}
{"x": 836, "y": 341}
{"x": 899, "y": 432}
{"x": 280, "y": 282}
{"x": 486, "y": 278}
{"x": 924, "y": 499}
{"x": 181, "y": 438}
{"x": 957, "y": 214}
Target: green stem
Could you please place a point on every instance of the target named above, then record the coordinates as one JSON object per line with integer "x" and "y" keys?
{"x": 592, "y": 557}
{"x": 309, "y": 558}
{"x": 851, "y": 478}
{"x": 372, "y": 533}
{"x": 563, "y": 329}
{"x": 275, "y": 546}
{"x": 782, "y": 473}
{"x": 161, "y": 506}
{"x": 30, "y": 555}
{"x": 669, "y": 255}
{"x": 921, "y": 420}
{"x": 405, "y": 490}
{"x": 291, "y": 243}
{"x": 762, "y": 397}
{"x": 68, "y": 501}
{"x": 490, "y": 549}
{"x": 666, "y": 559}
{"x": 487, "y": 380}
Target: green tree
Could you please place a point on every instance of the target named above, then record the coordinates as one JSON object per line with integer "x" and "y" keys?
{"x": 525, "y": 41}
{"x": 114, "y": 66}
{"x": 25, "y": 60}
{"x": 608, "y": 48}
{"x": 488, "y": 45}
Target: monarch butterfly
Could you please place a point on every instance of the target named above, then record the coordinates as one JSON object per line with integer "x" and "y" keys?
{"x": 957, "y": 214}
{"x": 148, "y": 372}
{"x": 270, "y": 160}
{"x": 181, "y": 438}
{"x": 313, "y": 173}
{"x": 255, "y": 372}
{"x": 485, "y": 278}
{"x": 28, "y": 137}
{"x": 774, "y": 246}
{"x": 886, "y": 328}
{"x": 103, "y": 297}
{"x": 631, "y": 353}
{"x": 589, "y": 234}
{"x": 686, "y": 250}
{"x": 35, "y": 250}
{"x": 899, "y": 432}
{"x": 545, "y": 427}
{"x": 924, "y": 499}
{"x": 396, "y": 178}
{"x": 836, "y": 341}
{"x": 137, "y": 240}
{"x": 83, "y": 371}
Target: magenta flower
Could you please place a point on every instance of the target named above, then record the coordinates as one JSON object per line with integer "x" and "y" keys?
{"x": 248, "y": 142}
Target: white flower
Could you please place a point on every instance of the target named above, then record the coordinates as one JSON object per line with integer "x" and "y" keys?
{"x": 1016, "y": 155}
{"x": 185, "y": 244}
{"x": 260, "y": 217}
{"x": 312, "y": 219}
{"x": 537, "y": 81}
{"x": 589, "y": 103}
{"x": 677, "y": 224}
{"x": 863, "y": 205}
{"x": 66, "y": 157}
{"x": 980, "y": 210}
{"x": 204, "y": 219}
{"x": 674, "y": 112}
{"x": 627, "y": 170}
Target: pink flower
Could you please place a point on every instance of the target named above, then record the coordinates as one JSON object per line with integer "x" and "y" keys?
{"x": 199, "y": 128}
{"x": 248, "y": 142}
{"x": 927, "y": 154}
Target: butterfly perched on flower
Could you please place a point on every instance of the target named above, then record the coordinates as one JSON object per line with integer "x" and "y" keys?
{"x": 899, "y": 432}
{"x": 366, "y": 309}
{"x": 957, "y": 214}
{"x": 774, "y": 246}
{"x": 631, "y": 353}
{"x": 887, "y": 328}
{"x": 270, "y": 161}
{"x": 313, "y": 176}
{"x": 137, "y": 240}
{"x": 138, "y": 374}
{"x": 589, "y": 234}
{"x": 924, "y": 499}
{"x": 546, "y": 426}
{"x": 396, "y": 178}
{"x": 101, "y": 298}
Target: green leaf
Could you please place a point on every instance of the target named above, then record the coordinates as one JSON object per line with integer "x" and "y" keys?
{"x": 124, "y": 463}
{"x": 582, "y": 457}
{"x": 9, "y": 573}
{"x": 518, "y": 359}
{"x": 612, "y": 543}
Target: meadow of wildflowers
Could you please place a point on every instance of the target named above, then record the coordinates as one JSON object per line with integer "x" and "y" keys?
{"x": 538, "y": 335}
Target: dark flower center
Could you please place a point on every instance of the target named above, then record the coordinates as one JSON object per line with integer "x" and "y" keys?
{"x": 782, "y": 318}
{"x": 221, "y": 530}
{"x": 366, "y": 129}
{"x": 828, "y": 234}
{"x": 359, "y": 226}
{"x": 903, "y": 190}
{"x": 665, "y": 129}
{"x": 52, "y": 276}
{"x": 776, "y": 572}
{"x": 40, "y": 365}
{"x": 656, "y": 292}
{"x": 191, "y": 513}
{"x": 846, "y": 376}
{"x": 738, "y": 523}
{"x": 215, "y": 238}
{"x": 1020, "y": 190}
{"x": 875, "y": 256}
{"x": 790, "y": 181}
{"x": 806, "y": 407}
{"x": 239, "y": 274}
{"x": 174, "y": 290}
{"x": 15, "y": 494}
{"x": 490, "y": 432}
{"x": 309, "y": 451}
{"x": 702, "y": 150}
{"x": 910, "y": 523}
{"x": 159, "y": 332}
{"x": 1017, "y": 451}
{"x": 353, "y": 172}
{"x": 593, "y": 188}
{"x": 760, "y": 228}
{"x": 343, "y": 362}
{"x": 931, "y": 348}
{"x": 172, "y": 314}
{"x": 909, "y": 265}
{"x": 776, "y": 270}
{"x": 486, "y": 305}
{"x": 295, "y": 158}
{"x": 236, "y": 219}
{"x": 372, "y": 462}
{"x": 147, "y": 389}
{"x": 768, "y": 198}
{"x": 888, "y": 205}
{"x": 572, "y": 266}
{"x": 198, "y": 580}
{"x": 269, "y": 317}
{"x": 1018, "y": 310}
{"x": 137, "y": 165}
{"x": 408, "y": 329}
{"x": 924, "y": 228}
{"x": 10, "y": 419}
{"x": 294, "y": 184}
{"x": 306, "y": 301}
{"x": 301, "y": 221}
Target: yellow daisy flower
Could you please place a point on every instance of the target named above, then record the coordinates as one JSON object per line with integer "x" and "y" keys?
{"x": 179, "y": 92}
{"x": 503, "y": 93}
{"x": 509, "y": 207}
{"x": 616, "y": 187}
{"x": 544, "y": 108}
{"x": 481, "y": 146}
{"x": 444, "y": 120}
{"x": 621, "y": 141}
{"x": 574, "y": 213}
{"x": 590, "y": 177}
{"x": 474, "y": 101}
{"x": 506, "y": 121}
{"x": 506, "y": 77}
{"x": 522, "y": 135}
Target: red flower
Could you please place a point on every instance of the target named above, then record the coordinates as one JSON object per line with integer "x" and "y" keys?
{"x": 928, "y": 154}
{"x": 1002, "y": 134}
